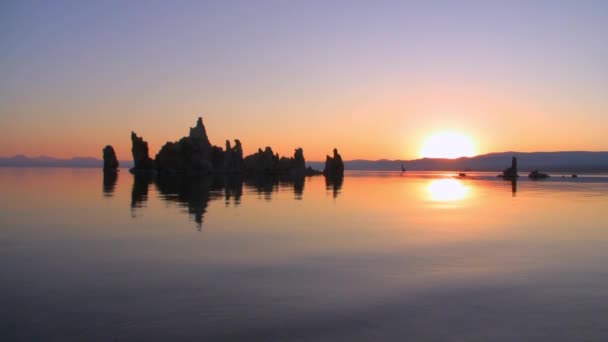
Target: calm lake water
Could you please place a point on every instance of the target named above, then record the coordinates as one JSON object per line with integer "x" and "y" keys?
{"x": 382, "y": 256}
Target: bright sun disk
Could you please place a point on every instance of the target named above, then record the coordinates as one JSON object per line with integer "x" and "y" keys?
{"x": 447, "y": 145}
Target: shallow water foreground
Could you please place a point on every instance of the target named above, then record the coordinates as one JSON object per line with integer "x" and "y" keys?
{"x": 379, "y": 256}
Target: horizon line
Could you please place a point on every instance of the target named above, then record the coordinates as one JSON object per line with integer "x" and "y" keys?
{"x": 320, "y": 161}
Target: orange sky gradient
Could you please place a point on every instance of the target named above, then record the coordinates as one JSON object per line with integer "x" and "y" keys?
{"x": 372, "y": 80}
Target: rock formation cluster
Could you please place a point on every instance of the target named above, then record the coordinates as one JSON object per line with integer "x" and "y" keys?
{"x": 194, "y": 154}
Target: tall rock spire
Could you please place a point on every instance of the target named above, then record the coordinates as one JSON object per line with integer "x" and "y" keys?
{"x": 198, "y": 132}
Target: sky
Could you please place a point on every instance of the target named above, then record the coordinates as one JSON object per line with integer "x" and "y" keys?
{"x": 371, "y": 78}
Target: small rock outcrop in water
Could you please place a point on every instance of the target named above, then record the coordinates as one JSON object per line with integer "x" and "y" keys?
{"x": 334, "y": 167}
{"x": 537, "y": 175}
{"x": 139, "y": 149}
{"x": 510, "y": 172}
{"x": 110, "y": 163}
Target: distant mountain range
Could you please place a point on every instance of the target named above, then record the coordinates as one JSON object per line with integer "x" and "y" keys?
{"x": 44, "y": 161}
{"x": 571, "y": 161}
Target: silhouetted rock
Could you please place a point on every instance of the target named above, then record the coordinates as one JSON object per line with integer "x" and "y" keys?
{"x": 262, "y": 162}
{"x": 191, "y": 154}
{"x": 139, "y": 149}
{"x": 110, "y": 162}
{"x": 199, "y": 133}
{"x": 334, "y": 167}
{"x": 194, "y": 154}
{"x": 510, "y": 172}
{"x": 266, "y": 162}
{"x": 233, "y": 157}
{"x": 535, "y": 174}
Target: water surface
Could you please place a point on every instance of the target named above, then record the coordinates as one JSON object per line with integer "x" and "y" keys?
{"x": 376, "y": 256}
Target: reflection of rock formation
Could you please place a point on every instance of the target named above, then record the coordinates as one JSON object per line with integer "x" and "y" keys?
{"x": 263, "y": 184}
{"x": 334, "y": 184}
{"x": 110, "y": 162}
{"x": 141, "y": 158}
{"x": 194, "y": 193}
{"x": 139, "y": 193}
{"x": 109, "y": 182}
{"x": 513, "y": 187}
{"x": 296, "y": 182}
{"x": 233, "y": 188}
{"x": 334, "y": 167}
{"x": 298, "y": 186}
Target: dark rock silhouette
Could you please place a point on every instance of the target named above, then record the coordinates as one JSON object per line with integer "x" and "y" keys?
{"x": 110, "y": 162}
{"x": 268, "y": 163}
{"x": 195, "y": 155}
{"x": 535, "y": 174}
{"x": 192, "y": 154}
{"x": 334, "y": 167}
{"x": 510, "y": 172}
{"x": 141, "y": 158}
{"x": 262, "y": 162}
{"x": 233, "y": 158}
{"x": 199, "y": 133}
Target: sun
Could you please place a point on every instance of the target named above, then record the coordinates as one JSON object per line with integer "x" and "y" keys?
{"x": 447, "y": 145}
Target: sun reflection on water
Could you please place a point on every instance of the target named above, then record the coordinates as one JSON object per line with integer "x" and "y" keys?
{"x": 444, "y": 190}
